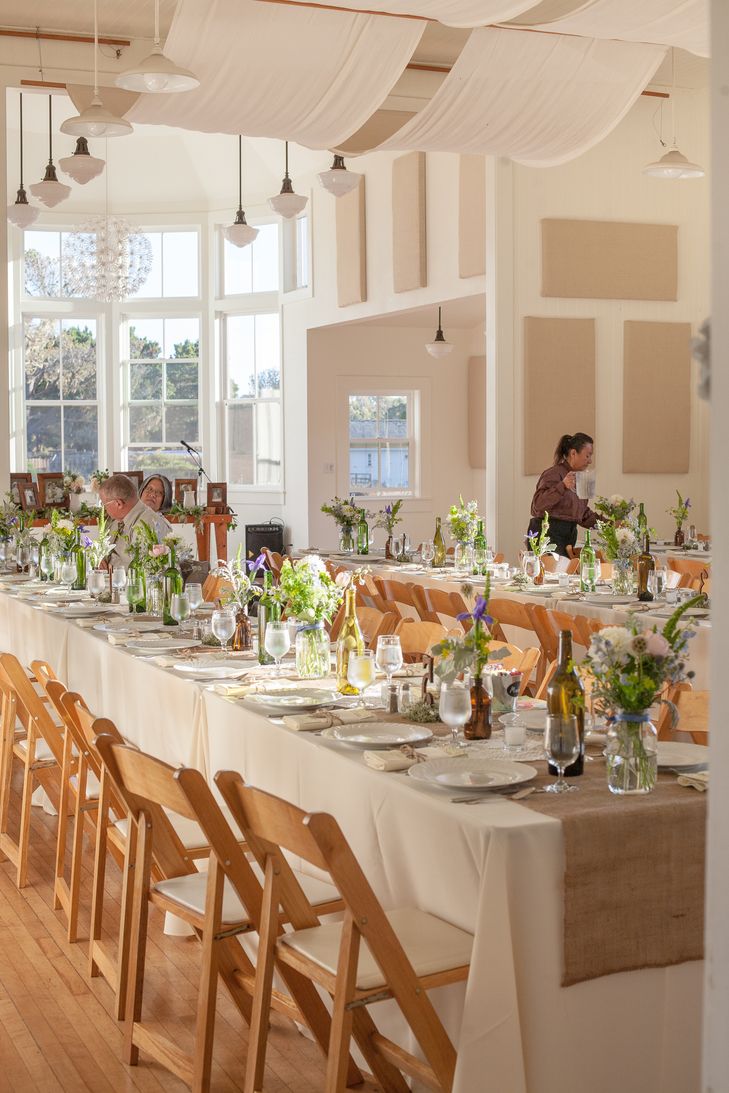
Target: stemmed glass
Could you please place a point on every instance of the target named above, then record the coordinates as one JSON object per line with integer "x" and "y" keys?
{"x": 388, "y": 656}
{"x": 118, "y": 578}
{"x": 530, "y": 566}
{"x": 657, "y": 582}
{"x": 180, "y": 607}
{"x": 223, "y": 626}
{"x": 135, "y": 592}
{"x": 277, "y": 641}
{"x": 68, "y": 572}
{"x": 47, "y": 566}
{"x": 194, "y": 595}
{"x": 427, "y": 553}
{"x": 24, "y": 556}
{"x": 397, "y": 546}
{"x": 95, "y": 582}
{"x": 361, "y": 671}
{"x": 562, "y": 743}
{"x": 454, "y": 708}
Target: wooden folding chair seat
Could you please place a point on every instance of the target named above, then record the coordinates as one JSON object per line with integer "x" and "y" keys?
{"x": 31, "y": 737}
{"x": 417, "y": 638}
{"x": 508, "y": 613}
{"x": 368, "y": 956}
{"x": 397, "y": 597}
{"x": 218, "y": 910}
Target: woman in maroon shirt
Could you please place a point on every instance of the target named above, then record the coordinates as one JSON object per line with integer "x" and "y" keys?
{"x": 556, "y": 493}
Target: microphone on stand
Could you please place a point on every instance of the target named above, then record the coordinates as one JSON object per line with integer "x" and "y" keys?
{"x": 195, "y": 455}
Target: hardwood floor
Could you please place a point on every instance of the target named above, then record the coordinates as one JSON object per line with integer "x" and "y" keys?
{"x": 57, "y": 1030}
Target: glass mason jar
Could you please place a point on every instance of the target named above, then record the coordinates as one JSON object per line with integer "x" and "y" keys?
{"x": 346, "y": 539}
{"x": 312, "y": 651}
{"x": 154, "y": 595}
{"x": 631, "y": 753}
{"x": 623, "y": 583}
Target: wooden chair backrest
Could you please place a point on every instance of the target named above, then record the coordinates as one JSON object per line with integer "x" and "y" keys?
{"x": 398, "y": 596}
{"x": 542, "y": 627}
{"x": 274, "y": 560}
{"x": 373, "y": 623}
{"x": 576, "y": 624}
{"x": 688, "y": 567}
{"x": 43, "y": 672}
{"x": 30, "y": 707}
{"x": 513, "y": 658}
{"x": 443, "y": 607}
{"x": 508, "y": 613}
{"x": 693, "y": 714}
{"x": 214, "y": 587}
{"x": 417, "y": 638}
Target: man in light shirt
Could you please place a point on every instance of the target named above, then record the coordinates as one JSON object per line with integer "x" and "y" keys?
{"x": 118, "y": 494}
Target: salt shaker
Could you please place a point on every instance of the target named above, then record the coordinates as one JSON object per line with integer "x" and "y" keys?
{"x": 405, "y": 698}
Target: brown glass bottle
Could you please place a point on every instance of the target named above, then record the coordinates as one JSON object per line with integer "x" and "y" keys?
{"x": 646, "y": 566}
{"x": 566, "y": 698}
{"x": 478, "y": 726}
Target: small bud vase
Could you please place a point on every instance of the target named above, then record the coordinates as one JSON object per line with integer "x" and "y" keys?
{"x": 346, "y": 539}
{"x": 623, "y": 584}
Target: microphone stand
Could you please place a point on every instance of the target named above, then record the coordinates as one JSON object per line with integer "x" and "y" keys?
{"x": 197, "y": 460}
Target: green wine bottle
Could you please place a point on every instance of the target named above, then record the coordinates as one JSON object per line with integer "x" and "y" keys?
{"x": 479, "y": 551}
{"x": 642, "y": 520}
{"x": 172, "y": 585}
{"x": 79, "y": 556}
{"x": 266, "y": 612}
{"x": 363, "y": 534}
{"x": 588, "y": 566}
{"x": 566, "y": 698}
{"x": 646, "y": 566}
{"x": 439, "y": 559}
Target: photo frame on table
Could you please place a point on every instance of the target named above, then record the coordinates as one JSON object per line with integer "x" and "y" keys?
{"x": 51, "y": 491}
{"x": 17, "y": 478}
{"x": 182, "y": 485}
{"x": 217, "y": 497}
{"x": 28, "y": 496}
{"x": 136, "y": 476}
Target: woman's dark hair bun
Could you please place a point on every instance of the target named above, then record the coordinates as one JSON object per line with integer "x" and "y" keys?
{"x": 568, "y": 442}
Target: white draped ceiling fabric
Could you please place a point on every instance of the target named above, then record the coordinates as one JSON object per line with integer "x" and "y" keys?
{"x": 269, "y": 70}
{"x": 680, "y": 23}
{"x": 540, "y": 99}
{"x": 452, "y": 13}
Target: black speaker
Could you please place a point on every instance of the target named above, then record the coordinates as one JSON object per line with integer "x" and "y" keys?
{"x": 263, "y": 535}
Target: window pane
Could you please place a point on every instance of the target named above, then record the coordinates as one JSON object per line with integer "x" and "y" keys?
{"x": 265, "y": 258}
{"x": 181, "y": 423}
{"x": 145, "y": 424}
{"x": 182, "y": 338}
{"x": 81, "y": 438}
{"x": 240, "y": 348}
{"x": 153, "y": 285}
{"x": 74, "y": 247}
{"x": 42, "y": 263}
{"x": 42, "y": 359}
{"x": 268, "y": 354}
{"x": 268, "y": 444}
{"x": 171, "y": 461}
{"x": 363, "y": 469}
{"x": 302, "y": 251}
{"x": 240, "y": 444}
{"x": 78, "y": 359}
{"x": 146, "y": 337}
{"x": 182, "y": 380}
{"x": 394, "y": 470}
{"x": 393, "y": 416}
{"x": 179, "y": 264}
{"x": 145, "y": 381}
{"x": 362, "y": 416}
{"x": 43, "y": 438}
{"x": 237, "y": 270}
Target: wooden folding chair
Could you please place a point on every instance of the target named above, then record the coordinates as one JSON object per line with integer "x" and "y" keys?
{"x": 508, "y": 613}
{"x": 549, "y": 671}
{"x": 417, "y": 638}
{"x": 398, "y": 597}
{"x": 513, "y": 658}
{"x": 576, "y": 624}
{"x": 214, "y": 587}
{"x": 443, "y": 607}
{"x": 689, "y": 569}
{"x": 546, "y": 634}
{"x": 274, "y": 560}
{"x": 693, "y": 714}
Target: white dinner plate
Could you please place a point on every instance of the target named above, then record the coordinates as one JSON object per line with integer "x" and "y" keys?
{"x": 673, "y": 754}
{"x": 533, "y": 720}
{"x": 155, "y": 644}
{"x": 15, "y": 578}
{"x": 127, "y": 626}
{"x": 81, "y": 610}
{"x": 386, "y": 734}
{"x": 66, "y": 594}
{"x": 294, "y": 698}
{"x": 203, "y": 672}
{"x": 471, "y": 773}
{"x": 690, "y": 613}
{"x": 608, "y": 599}
{"x": 538, "y": 590}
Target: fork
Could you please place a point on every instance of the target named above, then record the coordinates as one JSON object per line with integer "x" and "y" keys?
{"x": 516, "y": 795}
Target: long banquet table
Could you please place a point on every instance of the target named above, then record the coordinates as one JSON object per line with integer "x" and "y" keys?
{"x": 494, "y": 869}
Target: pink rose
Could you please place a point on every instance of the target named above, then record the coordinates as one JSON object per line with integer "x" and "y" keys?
{"x": 656, "y": 645}
{"x": 158, "y": 550}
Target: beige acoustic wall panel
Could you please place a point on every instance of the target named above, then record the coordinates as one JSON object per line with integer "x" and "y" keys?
{"x": 409, "y": 254}
{"x": 609, "y": 260}
{"x": 656, "y": 398}
{"x": 477, "y": 413}
{"x": 559, "y": 385}
{"x": 351, "y": 247}
{"x": 472, "y": 216}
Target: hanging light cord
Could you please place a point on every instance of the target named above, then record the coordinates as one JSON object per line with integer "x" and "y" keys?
{"x": 156, "y": 24}
{"x": 50, "y": 128}
{"x": 240, "y": 173}
{"x": 96, "y": 49}
{"x": 287, "y": 159}
{"x": 21, "y": 140}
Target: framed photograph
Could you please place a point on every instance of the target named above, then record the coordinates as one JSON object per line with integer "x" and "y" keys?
{"x": 29, "y": 496}
{"x": 16, "y": 480}
{"x": 182, "y": 485}
{"x": 218, "y": 496}
{"x": 136, "y": 476}
{"x": 51, "y": 491}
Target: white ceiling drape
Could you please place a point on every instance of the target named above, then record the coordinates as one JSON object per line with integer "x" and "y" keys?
{"x": 280, "y": 71}
{"x": 541, "y": 99}
{"x": 452, "y": 13}
{"x": 680, "y": 23}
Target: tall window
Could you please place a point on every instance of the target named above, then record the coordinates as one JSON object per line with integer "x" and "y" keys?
{"x": 61, "y": 408}
{"x": 253, "y": 403}
{"x": 254, "y": 268}
{"x": 381, "y": 443}
{"x": 174, "y": 271}
{"x": 163, "y": 373}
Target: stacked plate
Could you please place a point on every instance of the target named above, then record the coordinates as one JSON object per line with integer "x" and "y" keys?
{"x": 676, "y": 756}
{"x": 160, "y": 643}
{"x": 293, "y": 699}
{"x": 471, "y": 773}
{"x": 385, "y": 734}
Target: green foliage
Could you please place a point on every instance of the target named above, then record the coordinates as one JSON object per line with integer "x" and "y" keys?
{"x": 308, "y": 592}
{"x": 541, "y": 544}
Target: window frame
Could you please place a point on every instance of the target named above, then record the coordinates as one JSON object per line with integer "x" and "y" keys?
{"x": 411, "y": 398}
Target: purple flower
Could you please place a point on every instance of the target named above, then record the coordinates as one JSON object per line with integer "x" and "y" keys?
{"x": 257, "y": 563}
{"x": 687, "y": 502}
{"x": 479, "y": 612}
{"x": 388, "y": 510}
{"x": 87, "y": 540}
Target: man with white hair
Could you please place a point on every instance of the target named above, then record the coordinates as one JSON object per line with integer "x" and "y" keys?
{"x": 118, "y": 494}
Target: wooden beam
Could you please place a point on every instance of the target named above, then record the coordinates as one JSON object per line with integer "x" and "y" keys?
{"x": 47, "y": 35}
{"x": 42, "y": 83}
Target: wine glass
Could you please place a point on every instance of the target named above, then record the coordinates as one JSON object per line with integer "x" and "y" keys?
{"x": 180, "y": 607}
{"x": 454, "y": 708}
{"x": 397, "y": 546}
{"x": 46, "y": 565}
{"x": 562, "y": 743}
{"x": 195, "y": 595}
{"x": 277, "y": 641}
{"x": 427, "y": 552}
{"x": 118, "y": 578}
{"x": 388, "y": 656}
{"x": 361, "y": 671}
{"x": 530, "y": 566}
{"x": 459, "y": 556}
{"x": 223, "y": 626}
{"x": 95, "y": 582}
{"x": 23, "y": 556}
{"x": 68, "y": 572}
{"x": 135, "y": 592}
{"x": 657, "y": 582}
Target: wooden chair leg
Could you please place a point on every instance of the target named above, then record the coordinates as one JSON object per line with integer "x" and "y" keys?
{"x": 126, "y": 917}
{"x": 6, "y": 771}
{"x": 97, "y": 887}
{"x": 74, "y": 887}
{"x": 258, "y": 1031}
{"x": 341, "y": 1033}
{"x": 62, "y": 832}
{"x": 138, "y": 940}
{"x": 24, "y": 832}
{"x": 205, "y": 1023}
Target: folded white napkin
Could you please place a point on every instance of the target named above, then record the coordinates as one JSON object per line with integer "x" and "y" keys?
{"x": 324, "y": 719}
{"x": 252, "y": 686}
{"x": 698, "y": 779}
{"x": 403, "y": 758}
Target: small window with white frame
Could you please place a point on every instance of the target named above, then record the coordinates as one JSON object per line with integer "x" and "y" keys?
{"x": 381, "y": 438}
{"x": 252, "y": 379}
{"x": 254, "y": 268}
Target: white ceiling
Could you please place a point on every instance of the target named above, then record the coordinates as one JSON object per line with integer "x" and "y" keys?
{"x": 126, "y": 19}
{"x": 464, "y": 313}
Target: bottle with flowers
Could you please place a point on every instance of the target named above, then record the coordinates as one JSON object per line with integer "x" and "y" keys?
{"x": 469, "y": 655}
{"x": 310, "y": 595}
{"x": 240, "y": 591}
{"x": 619, "y": 538}
{"x": 388, "y": 519}
{"x": 680, "y": 512}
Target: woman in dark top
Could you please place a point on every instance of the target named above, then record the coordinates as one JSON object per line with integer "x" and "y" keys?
{"x": 556, "y": 493}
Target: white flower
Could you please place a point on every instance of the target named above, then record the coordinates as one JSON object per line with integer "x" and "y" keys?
{"x": 66, "y": 525}
{"x": 624, "y": 535}
{"x": 616, "y": 499}
{"x": 619, "y": 639}
{"x": 312, "y": 562}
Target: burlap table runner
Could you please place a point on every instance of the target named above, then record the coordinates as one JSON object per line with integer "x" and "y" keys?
{"x": 633, "y": 876}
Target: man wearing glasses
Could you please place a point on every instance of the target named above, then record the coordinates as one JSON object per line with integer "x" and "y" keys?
{"x": 118, "y": 494}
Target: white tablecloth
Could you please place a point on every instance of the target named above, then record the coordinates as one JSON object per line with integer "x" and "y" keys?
{"x": 494, "y": 868}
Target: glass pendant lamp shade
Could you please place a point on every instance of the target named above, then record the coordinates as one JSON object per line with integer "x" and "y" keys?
{"x": 22, "y": 213}
{"x": 240, "y": 233}
{"x": 96, "y": 120}
{"x": 49, "y": 191}
{"x": 673, "y": 165}
{"x": 338, "y": 180}
{"x": 81, "y": 166}
{"x": 287, "y": 203}
{"x": 439, "y": 347}
{"x": 157, "y": 74}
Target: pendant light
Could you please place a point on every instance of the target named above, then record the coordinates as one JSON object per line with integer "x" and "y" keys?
{"x": 50, "y": 192}
{"x": 22, "y": 213}
{"x": 439, "y": 347}
{"x": 240, "y": 233}
{"x": 96, "y": 120}
{"x": 81, "y": 166}
{"x": 673, "y": 164}
{"x": 156, "y": 74}
{"x": 287, "y": 203}
{"x": 338, "y": 180}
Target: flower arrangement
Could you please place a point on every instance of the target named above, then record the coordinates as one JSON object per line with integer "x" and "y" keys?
{"x": 619, "y": 542}
{"x": 615, "y": 508}
{"x": 241, "y": 576}
{"x": 97, "y": 478}
{"x": 61, "y": 534}
{"x": 99, "y": 548}
{"x": 471, "y": 651}
{"x": 344, "y": 513}
{"x": 308, "y": 593}
{"x": 680, "y": 511}
{"x": 463, "y": 520}
{"x": 389, "y": 517}
{"x": 152, "y": 553}
{"x": 73, "y": 483}
{"x": 347, "y": 578}
{"x": 540, "y": 544}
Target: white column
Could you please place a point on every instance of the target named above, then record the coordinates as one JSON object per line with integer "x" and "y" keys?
{"x": 4, "y": 306}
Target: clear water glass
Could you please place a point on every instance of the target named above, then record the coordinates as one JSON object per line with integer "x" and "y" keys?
{"x": 397, "y": 545}
{"x": 135, "y": 592}
{"x": 68, "y": 572}
{"x": 459, "y": 556}
{"x": 119, "y": 578}
{"x": 24, "y": 556}
{"x": 454, "y": 708}
{"x": 388, "y": 655}
{"x": 277, "y": 641}
{"x": 96, "y": 581}
{"x": 46, "y": 564}
{"x": 361, "y": 671}
{"x": 530, "y": 566}
{"x": 562, "y": 744}
{"x": 427, "y": 552}
{"x": 195, "y": 596}
{"x": 180, "y": 607}
{"x": 657, "y": 582}
{"x": 223, "y": 626}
